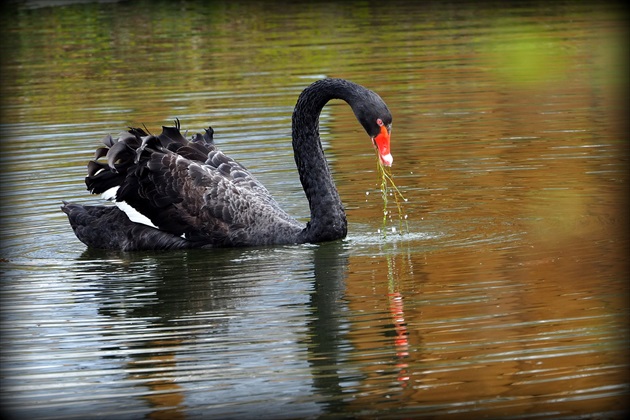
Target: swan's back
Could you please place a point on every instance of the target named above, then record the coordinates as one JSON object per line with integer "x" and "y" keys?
{"x": 186, "y": 189}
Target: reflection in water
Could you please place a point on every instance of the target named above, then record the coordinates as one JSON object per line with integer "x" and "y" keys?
{"x": 327, "y": 338}
{"x": 401, "y": 340}
{"x": 165, "y": 396}
{"x": 506, "y": 327}
{"x": 153, "y": 354}
{"x": 380, "y": 330}
{"x": 156, "y": 350}
{"x": 210, "y": 294}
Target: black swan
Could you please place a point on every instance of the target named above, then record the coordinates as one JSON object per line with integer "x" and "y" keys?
{"x": 174, "y": 193}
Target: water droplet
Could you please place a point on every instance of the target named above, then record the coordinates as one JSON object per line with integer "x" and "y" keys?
{"x": 394, "y": 229}
{"x": 406, "y": 216}
{"x": 367, "y": 193}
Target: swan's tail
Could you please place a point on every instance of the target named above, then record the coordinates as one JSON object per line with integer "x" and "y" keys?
{"x": 131, "y": 149}
{"x": 107, "y": 227}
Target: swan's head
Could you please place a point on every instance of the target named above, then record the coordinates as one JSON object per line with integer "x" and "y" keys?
{"x": 374, "y": 116}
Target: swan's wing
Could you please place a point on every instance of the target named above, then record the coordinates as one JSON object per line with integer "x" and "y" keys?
{"x": 188, "y": 188}
{"x": 135, "y": 146}
{"x": 107, "y": 227}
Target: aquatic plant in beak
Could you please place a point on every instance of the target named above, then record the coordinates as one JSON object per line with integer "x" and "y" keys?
{"x": 389, "y": 189}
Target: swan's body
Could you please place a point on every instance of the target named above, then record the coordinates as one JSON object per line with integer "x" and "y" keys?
{"x": 174, "y": 193}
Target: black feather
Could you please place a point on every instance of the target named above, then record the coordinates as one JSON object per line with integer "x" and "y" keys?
{"x": 118, "y": 152}
{"x": 180, "y": 185}
{"x": 107, "y": 227}
{"x": 108, "y": 141}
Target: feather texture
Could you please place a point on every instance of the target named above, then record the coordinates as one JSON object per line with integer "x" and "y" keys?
{"x": 193, "y": 195}
{"x": 181, "y": 185}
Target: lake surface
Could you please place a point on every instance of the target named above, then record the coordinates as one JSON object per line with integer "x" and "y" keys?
{"x": 505, "y": 294}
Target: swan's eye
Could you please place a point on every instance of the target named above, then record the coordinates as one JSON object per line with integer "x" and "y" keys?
{"x": 379, "y": 122}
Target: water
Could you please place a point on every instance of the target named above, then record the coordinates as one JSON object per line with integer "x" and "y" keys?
{"x": 505, "y": 297}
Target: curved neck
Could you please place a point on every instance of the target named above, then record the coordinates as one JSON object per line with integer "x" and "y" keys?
{"x": 328, "y": 218}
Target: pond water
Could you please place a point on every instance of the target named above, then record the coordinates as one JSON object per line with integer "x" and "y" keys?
{"x": 505, "y": 295}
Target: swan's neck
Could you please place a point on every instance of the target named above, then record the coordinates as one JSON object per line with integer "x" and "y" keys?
{"x": 328, "y": 218}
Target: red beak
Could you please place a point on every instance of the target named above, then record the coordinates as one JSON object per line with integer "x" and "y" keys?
{"x": 381, "y": 143}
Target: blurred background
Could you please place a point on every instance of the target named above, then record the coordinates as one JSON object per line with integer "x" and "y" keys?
{"x": 505, "y": 296}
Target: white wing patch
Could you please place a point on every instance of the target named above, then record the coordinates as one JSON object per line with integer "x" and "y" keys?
{"x": 133, "y": 214}
{"x": 110, "y": 195}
